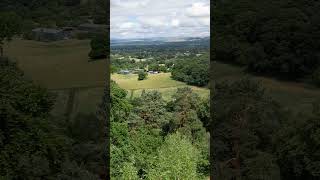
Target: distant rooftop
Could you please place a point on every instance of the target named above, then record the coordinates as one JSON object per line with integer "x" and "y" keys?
{"x": 93, "y": 25}
{"x": 47, "y": 30}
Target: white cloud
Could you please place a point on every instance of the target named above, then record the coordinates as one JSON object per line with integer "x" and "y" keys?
{"x": 199, "y": 10}
{"x": 152, "y": 18}
{"x": 175, "y": 22}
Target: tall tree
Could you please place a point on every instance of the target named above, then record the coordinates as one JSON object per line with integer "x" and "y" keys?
{"x": 245, "y": 120}
{"x": 100, "y": 15}
{"x": 10, "y": 25}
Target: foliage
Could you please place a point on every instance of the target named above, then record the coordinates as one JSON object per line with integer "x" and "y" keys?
{"x": 129, "y": 172}
{"x": 10, "y": 25}
{"x": 245, "y": 120}
{"x": 193, "y": 71}
{"x": 36, "y": 146}
{"x": 177, "y": 159}
{"x": 99, "y": 47}
{"x": 137, "y": 145}
{"x": 297, "y": 146}
{"x": 316, "y": 77}
{"x": 50, "y": 13}
{"x": 277, "y": 38}
{"x": 142, "y": 75}
{"x": 100, "y": 15}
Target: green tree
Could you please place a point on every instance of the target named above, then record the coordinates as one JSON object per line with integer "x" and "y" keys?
{"x": 177, "y": 159}
{"x": 265, "y": 36}
{"x": 244, "y": 124}
{"x": 142, "y": 75}
{"x": 100, "y": 15}
{"x": 99, "y": 47}
{"x": 10, "y": 25}
{"x": 193, "y": 70}
{"x": 297, "y": 146}
{"x": 29, "y": 146}
{"x": 129, "y": 172}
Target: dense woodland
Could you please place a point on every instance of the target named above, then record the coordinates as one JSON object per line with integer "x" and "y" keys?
{"x": 274, "y": 38}
{"x": 57, "y": 12}
{"x": 149, "y": 136}
{"x": 35, "y": 145}
{"x": 187, "y": 61}
{"x": 253, "y": 136}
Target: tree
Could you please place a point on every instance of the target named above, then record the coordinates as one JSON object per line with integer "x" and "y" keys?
{"x": 99, "y": 47}
{"x": 176, "y": 159}
{"x": 10, "y": 25}
{"x": 26, "y": 134}
{"x": 129, "y": 172}
{"x": 268, "y": 37}
{"x": 193, "y": 71}
{"x": 100, "y": 15}
{"x": 297, "y": 146}
{"x": 142, "y": 75}
{"x": 242, "y": 131}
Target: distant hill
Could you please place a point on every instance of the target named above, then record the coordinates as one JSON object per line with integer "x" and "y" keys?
{"x": 161, "y": 41}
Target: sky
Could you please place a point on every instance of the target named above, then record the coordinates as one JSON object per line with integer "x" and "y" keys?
{"x": 135, "y": 19}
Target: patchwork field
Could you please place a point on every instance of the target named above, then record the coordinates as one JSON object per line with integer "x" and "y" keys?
{"x": 63, "y": 68}
{"x": 294, "y": 95}
{"x": 160, "y": 82}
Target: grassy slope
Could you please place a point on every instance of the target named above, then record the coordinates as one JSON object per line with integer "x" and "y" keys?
{"x": 297, "y": 96}
{"x": 60, "y": 66}
{"x": 160, "y": 82}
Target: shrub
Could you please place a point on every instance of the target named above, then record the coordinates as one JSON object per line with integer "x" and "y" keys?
{"x": 99, "y": 47}
{"x": 142, "y": 75}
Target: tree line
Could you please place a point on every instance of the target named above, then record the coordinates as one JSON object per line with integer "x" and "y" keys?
{"x": 274, "y": 38}
{"x": 254, "y": 137}
{"x": 193, "y": 70}
{"x": 154, "y": 139}
{"x": 36, "y": 145}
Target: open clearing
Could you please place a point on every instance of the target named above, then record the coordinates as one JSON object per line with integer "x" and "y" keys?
{"x": 161, "y": 82}
{"x": 296, "y": 96}
{"x": 63, "y": 68}
{"x": 57, "y": 65}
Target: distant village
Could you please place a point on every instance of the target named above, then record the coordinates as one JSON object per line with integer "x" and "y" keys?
{"x": 57, "y": 34}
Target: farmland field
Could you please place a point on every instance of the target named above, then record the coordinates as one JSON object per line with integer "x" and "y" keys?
{"x": 63, "y": 68}
{"x": 294, "y": 95}
{"x": 57, "y": 65}
{"x": 159, "y": 82}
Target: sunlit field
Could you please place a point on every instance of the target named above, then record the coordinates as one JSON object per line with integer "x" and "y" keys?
{"x": 161, "y": 82}
{"x": 292, "y": 94}
{"x": 64, "y": 68}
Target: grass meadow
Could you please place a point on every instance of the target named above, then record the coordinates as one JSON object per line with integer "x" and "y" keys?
{"x": 294, "y": 95}
{"x": 161, "y": 82}
{"x": 62, "y": 67}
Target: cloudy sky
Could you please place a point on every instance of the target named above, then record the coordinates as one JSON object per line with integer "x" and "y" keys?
{"x": 159, "y": 18}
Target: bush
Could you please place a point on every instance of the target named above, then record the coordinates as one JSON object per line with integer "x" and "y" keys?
{"x": 177, "y": 159}
{"x": 99, "y": 47}
{"x": 142, "y": 75}
{"x": 316, "y": 77}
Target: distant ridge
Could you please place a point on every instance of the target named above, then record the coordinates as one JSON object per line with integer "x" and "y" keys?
{"x": 159, "y": 41}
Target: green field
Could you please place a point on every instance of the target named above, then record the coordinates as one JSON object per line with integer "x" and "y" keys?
{"x": 160, "y": 82}
{"x": 63, "y": 68}
{"x": 296, "y": 96}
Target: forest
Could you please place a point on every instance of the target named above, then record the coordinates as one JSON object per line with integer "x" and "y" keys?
{"x": 149, "y": 136}
{"x": 273, "y": 38}
{"x": 245, "y": 126}
{"x": 34, "y": 143}
{"x": 255, "y": 133}
{"x": 153, "y": 137}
